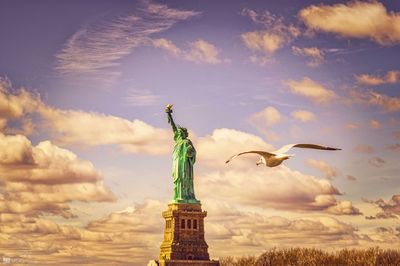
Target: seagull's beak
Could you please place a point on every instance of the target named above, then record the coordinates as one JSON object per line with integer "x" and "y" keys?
{"x": 259, "y": 162}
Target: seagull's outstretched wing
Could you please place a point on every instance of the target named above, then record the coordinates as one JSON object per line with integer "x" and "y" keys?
{"x": 285, "y": 148}
{"x": 262, "y": 153}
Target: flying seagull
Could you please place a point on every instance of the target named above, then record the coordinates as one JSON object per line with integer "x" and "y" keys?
{"x": 275, "y": 158}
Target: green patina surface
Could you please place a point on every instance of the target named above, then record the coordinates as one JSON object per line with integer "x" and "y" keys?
{"x": 184, "y": 157}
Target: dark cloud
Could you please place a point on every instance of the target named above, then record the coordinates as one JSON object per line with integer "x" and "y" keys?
{"x": 376, "y": 161}
{"x": 394, "y": 147}
{"x": 370, "y": 97}
{"x": 364, "y": 148}
{"x": 389, "y": 209}
{"x": 351, "y": 178}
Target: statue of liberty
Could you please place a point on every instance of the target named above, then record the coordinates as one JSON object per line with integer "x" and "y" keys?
{"x": 184, "y": 157}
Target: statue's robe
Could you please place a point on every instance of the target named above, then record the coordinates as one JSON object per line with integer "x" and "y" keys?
{"x": 184, "y": 157}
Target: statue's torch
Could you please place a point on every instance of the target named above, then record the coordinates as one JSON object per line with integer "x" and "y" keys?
{"x": 168, "y": 110}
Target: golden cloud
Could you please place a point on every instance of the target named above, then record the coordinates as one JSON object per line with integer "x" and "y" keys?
{"x": 16, "y": 106}
{"x": 303, "y": 116}
{"x": 128, "y": 237}
{"x": 203, "y": 52}
{"x": 44, "y": 163}
{"x": 311, "y": 89}
{"x": 370, "y": 97}
{"x": 357, "y": 19}
{"x": 43, "y": 178}
{"x": 316, "y": 55}
{"x": 262, "y": 41}
{"x": 275, "y": 35}
{"x": 352, "y": 126}
{"x": 254, "y": 232}
{"x": 215, "y": 149}
{"x": 280, "y": 188}
{"x": 167, "y": 45}
{"x": 391, "y": 77}
{"x": 265, "y": 119}
{"x": 199, "y": 51}
{"x": 269, "y": 116}
{"x": 70, "y": 127}
{"x": 375, "y": 124}
{"x": 133, "y": 236}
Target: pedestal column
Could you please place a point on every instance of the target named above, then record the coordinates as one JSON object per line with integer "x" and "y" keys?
{"x": 184, "y": 242}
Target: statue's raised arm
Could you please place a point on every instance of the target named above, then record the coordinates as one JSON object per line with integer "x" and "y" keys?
{"x": 168, "y": 110}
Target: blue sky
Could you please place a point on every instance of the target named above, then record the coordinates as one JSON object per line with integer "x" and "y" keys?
{"x": 86, "y": 144}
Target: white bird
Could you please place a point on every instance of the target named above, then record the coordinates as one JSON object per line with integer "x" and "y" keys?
{"x": 275, "y": 158}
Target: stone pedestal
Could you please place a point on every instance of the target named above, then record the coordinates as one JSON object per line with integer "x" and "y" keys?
{"x": 184, "y": 242}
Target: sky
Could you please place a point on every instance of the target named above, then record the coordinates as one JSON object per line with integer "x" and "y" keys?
{"x": 85, "y": 147}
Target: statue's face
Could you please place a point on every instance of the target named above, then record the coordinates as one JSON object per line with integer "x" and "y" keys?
{"x": 183, "y": 132}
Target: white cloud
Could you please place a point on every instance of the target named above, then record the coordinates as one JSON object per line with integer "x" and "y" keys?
{"x": 43, "y": 163}
{"x": 98, "y": 47}
{"x": 357, "y": 19}
{"x": 141, "y": 97}
{"x": 215, "y": 149}
{"x": 311, "y": 89}
{"x": 329, "y": 171}
{"x": 261, "y": 60}
{"x": 71, "y": 127}
{"x": 244, "y": 183}
{"x": 280, "y": 188}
